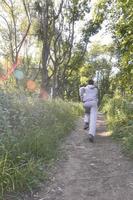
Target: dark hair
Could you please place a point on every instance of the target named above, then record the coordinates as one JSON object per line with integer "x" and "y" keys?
{"x": 91, "y": 82}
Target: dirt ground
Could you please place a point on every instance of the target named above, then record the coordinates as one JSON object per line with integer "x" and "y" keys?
{"x": 90, "y": 171}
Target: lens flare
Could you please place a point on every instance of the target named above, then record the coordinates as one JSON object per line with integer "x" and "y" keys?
{"x": 4, "y": 77}
{"x": 18, "y": 74}
{"x": 43, "y": 94}
{"x": 31, "y": 85}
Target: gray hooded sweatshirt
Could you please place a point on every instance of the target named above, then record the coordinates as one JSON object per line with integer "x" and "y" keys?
{"x": 88, "y": 93}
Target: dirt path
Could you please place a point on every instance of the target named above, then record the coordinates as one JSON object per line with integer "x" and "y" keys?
{"x": 96, "y": 171}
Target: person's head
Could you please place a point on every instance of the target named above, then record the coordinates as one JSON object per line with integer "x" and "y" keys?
{"x": 91, "y": 82}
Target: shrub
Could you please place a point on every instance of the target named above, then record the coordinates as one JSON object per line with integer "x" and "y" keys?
{"x": 30, "y": 134}
{"x": 119, "y": 114}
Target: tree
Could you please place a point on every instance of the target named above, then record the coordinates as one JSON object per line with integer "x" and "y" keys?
{"x": 59, "y": 44}
{"x": 121, "y": 26}
{"x": 120, "y": 21}
{"x": 100, "y": 66}
{"x": 15, "y": 27}
{"x": 57, "y": 29}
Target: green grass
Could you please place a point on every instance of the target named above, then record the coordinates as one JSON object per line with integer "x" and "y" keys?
{"x": 30, "y": 138}
{"x": 119, "y": 114}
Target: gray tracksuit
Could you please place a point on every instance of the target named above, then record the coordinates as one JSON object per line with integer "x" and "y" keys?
{"x": 89, "y": 96}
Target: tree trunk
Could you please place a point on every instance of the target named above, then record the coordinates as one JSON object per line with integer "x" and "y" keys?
{"x": 45, "y": 49}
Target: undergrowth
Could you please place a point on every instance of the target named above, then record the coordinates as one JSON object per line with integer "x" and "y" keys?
{"x": 119, "y": 114}
{"x": 30, "y": 132}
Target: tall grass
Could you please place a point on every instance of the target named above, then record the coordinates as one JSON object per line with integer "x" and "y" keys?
{"x": 29, "y": 139}
{"x": 119, "y": 113}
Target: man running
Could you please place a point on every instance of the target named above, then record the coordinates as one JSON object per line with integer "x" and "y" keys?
{"x": 89, "y": 97}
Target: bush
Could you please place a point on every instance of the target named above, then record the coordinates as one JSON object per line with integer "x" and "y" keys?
{"x": 119, "y": 113}
{"x": 30, "y": 136}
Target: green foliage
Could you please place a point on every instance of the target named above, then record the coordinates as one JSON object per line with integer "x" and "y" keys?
{"x": 122, "y": 23}
{"x": 119, "y": 113}
{"x": 31, "y": 131}
{"x": 100, "y": 11}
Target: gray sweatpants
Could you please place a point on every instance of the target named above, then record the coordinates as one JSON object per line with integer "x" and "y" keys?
{"x": 91, "y": 115}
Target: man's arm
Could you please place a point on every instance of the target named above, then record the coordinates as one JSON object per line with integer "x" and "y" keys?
{"x": 97, "y": 94}
{"x": 81, "y": 92}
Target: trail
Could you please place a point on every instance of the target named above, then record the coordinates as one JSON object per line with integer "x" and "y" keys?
{"x": 89, "y": 171}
